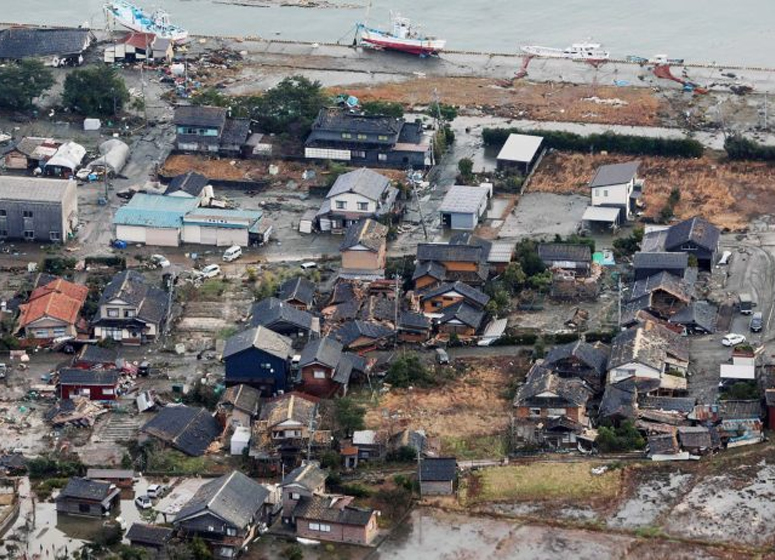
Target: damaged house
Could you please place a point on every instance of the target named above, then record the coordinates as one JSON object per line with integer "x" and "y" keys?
{"x": 364, "y": 250}
{"x": 580, "y": 360}
{"x": 335, "y": 519}
{"x": 187, "y": 429}
{"x": 662, "y": 295}
{"x": 325, "y": 369}
{"x": 210, "y": 130}
{"x": 285, "y": 319}
{"x": 464, "y": 259}
{"x": 455, "y": 308}
{"x": 696, "y": 237}
{"x": 298, "y": 292}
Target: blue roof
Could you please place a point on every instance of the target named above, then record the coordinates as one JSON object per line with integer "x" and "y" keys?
{"x": 155, "y": 210}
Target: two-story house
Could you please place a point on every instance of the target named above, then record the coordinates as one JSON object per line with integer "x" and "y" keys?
{"x": 695, "y": 236}
{"x": 617, "y": 186}
{"x": 377, "y": 141}
{"x": 284, "y": 427}
{"x": 226, "y": 513}
{"x": 545, "y": 394}
{"x": 364, "y": 250}
{"x": 435, "y": 300}
{"x": 581, "y": 360}
{"x": 305, "y": 481}
{"x": 356, "y": 195}
{"x": 464, "y": 259}
{"x": 131, "y": 310}
{"x": 39, "y": 210}
{"x": 258, "y": 357}
{"x": 52, "y": 310}
{"x": 209, "y": 130}
{"x": 335, "y": 519}
{"x": 324, "y": 369}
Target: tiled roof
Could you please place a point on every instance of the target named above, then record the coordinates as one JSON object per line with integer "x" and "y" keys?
{"x": 310, "y": 476}
{"x": 153, "y": 535}
{"x": 325, "y": 351}
{"x": 664, "y": 281}
{"x": 567, "y": 252}
{"x": 191, "y": 430}
{"x": 242, "y": 397}
{"x": 85, "y": 489}
{"x": 133, "y": 288}
{"x": 700, "y": 231}
{"x": 700, "y": 313}
{"x": 444, "y": 252}
{"x": 439, "y": 469}
{"x": 663, "y": 444}
{"x": 590, "y": 356}
{"x": 192, "y": 183}
{"x": 332, "y": 509}
{"x": 192, "y": 115}
{"x": 368, "y": 233}
{"x": 463, "y": 312}
{"x": 661, "y": 260}
{"x": 271, "y": 311}
{"x": 25, "y": 42}
{"x": 353, "y": 330}
{"x": 433, "y": 269}
{"x": 298, "y": 289}
{"x": 289, "y": 406}
{"x": 233, "y": 497}
{"x": 93, "y": 354}
{"x": 364, "y": 182}
{"x": 472, "y": 295}
{"x": 34, "y": 189}
{"x": 106, "y": 378}
{"x": 261, "y": 338}
{"x": 541, "y": 380}
{"x": 59, "y": 299}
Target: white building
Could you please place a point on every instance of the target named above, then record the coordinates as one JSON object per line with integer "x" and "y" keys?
{"x": 359, "y": 194}
{"x": 520, "y": 152}
{"x": 617, "y": 186}
{"x": 223, "y": 227}
{"x": 463, "y": 207}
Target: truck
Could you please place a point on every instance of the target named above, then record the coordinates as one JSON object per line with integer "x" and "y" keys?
{"x": 746, "y": 303}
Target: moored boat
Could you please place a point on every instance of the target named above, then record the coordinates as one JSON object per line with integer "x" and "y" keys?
{"x": 577, "y": 51}
{"x": 403, "y": 37}
{"x": 135, "y": 19}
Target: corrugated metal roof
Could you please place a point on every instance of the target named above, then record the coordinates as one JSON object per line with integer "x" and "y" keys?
{"x": 520, "y": 147}
{"x": 197, "y": 214}
{"x": 153, "y": 210}
{"x": 600, "y": 214}
{"x": 463, "y": 200}
{"x": 30, "y": 188}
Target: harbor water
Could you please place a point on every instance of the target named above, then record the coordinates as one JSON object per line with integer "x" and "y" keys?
{"x": 702, "y": 31}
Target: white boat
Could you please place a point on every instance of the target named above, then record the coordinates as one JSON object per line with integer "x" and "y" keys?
{"x": 577, "y": 51}
{"x": 402, "y": 37}
{"x": 135, "y": 19}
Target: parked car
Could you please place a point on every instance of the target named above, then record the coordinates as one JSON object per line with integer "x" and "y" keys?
{"x": 308, "y": 265}
{"x": 3, "y": 370}
{"x": 757, "y": 322}
{"x": 232, "y": 253}
{"x": 441, "y": 356}
{"x": 733, "y": 339}
{"x": 210, "y": 271}
{"x": 143, "y": 502}
{"x": 160, "y": 261}
{"x": 157, "y": 490}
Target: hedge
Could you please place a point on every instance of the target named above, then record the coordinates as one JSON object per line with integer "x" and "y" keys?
{"x": 741, "y": 148}
{"x": 113, "y": 262}
{"x": 615, "y": 143}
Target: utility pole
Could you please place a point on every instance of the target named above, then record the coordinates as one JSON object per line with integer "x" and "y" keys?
{"x": 419, "y": 209}
{"x": 395, "y": 310}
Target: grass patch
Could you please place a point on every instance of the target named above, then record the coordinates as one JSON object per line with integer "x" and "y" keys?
{"x": 478, "y": 447}
{"x": 212, "y": 289}
{"x": 45, "y": 488}
{"x": 541, "y": 481}
{"x": 171, "y": 461}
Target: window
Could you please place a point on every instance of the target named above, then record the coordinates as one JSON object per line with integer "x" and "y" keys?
{"x": 58, "y": 331}
{"x": 84, "y": 508}
{"x": 382, "y": 137}
{"x": 362, "y": 137}
{"x": 112, "y": 312}
{"x": 341, "y": 204}
{"x": 129, "y": 313}
{"x": 84, "y": 392}
{"x": 29, "y": 234}
{"x": 41, "y": 333}
{"x": 359, "y": 154}
{"x": 346, "y": 135}
{"x": 322, "y": 527}
{"x": 55, "y": 236}
{"x": 688, "y": 247}
{"x": 605, "y": 193}
{"x": 295, "y": 496}
{"x": 382, "y": 157}
{"x": 319, "y": 374}
{"x": 363, "y": 206}
{"x": 114, "y": 333}
{"x": 231, "y": 531}
{"x": 3, "y": 233}
{"x": 535, "y": 412}
{"x": 27, "y": 214}
{"x": 3, "y": 213}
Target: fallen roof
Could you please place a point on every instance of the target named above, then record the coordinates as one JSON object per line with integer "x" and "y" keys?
{"x": 699, "y": 313}
{"x": 351, "y": 331}
{"x": 615, "y": 174}
{"x": 463, "y": 312}
{"x": 154, "y": 535}
{"x": 191, "y": 183}
{"x": 325, "y": 351}
{"x": 298, "y": 289}
{"x": 569, "y": 252}
{"x": 542, "y": 382}
{"x": 367, "y": 233}
{"x": 271, "y": 311}
{"x": 521, "y": 148}
{"x": 332, "y": 509}
{"x": 584, "y": 352}
{"x": 242, "y": 397}
{"x": 469, "y": 293}
{"x": 289, "y": 406}
{"x": 309, "y": 475}
{"x": 191, "y": 430}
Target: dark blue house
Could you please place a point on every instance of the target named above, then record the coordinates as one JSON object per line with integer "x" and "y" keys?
{"x": 260, "y": 358}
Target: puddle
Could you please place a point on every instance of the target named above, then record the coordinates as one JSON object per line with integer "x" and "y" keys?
{"x": 653, "y": 498}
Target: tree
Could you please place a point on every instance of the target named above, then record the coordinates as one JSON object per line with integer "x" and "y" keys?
{"x": 443, "y": 111}
{"x": 527, "y": 257}
{"x": 290, "y": 106}
{"x": 95, "y": 91}
{"x": 626, "y": 246}
{"x": 514, "y": 278}
{"x": 383, "y": 109}
{"x": 408, "y": 370}
{"x": 349, "y": 415}
{"x": 22, "y": 83}
{"x": 624, "y": 437}
{"x": 466, "y": 168}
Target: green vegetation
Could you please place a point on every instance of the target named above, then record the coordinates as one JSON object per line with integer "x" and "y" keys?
{"x": 403, "y": 454}
{"x": 626, "y": 246}
{"x": 383, "y": 109}
{"x": 408, "y": 370}
{"x": 466, "y": 169}
{"x": 624, "y": 437}
{"x": 46, "y": 467}
{"x": 22, "y": 83}
{"x": 739, "y": 148}
{"x": 349, "y": 415}
{"x": 290, "y": 106}
{"x": 477, "y": 447}
{"x": 614, "y": 143}
{"x": 442, "y": 111}
{"x": 95, "y": 91}
{"x": 202, "y": 395}
{"x": 668, "y": 211}
{"x": 741, "y": 391}
{"x": 59, "y": 266}
{"x": 212, "y": 289}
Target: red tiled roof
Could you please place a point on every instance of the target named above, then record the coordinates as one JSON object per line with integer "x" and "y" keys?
{"x": 140, "y": 40}
{"x": 59, "y": 299}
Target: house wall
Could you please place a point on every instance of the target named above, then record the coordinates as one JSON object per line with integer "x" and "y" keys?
{"x": 705, "y": 258}
{"x": 79, "y": 507}
{"x": 218, "y": 236}
{"x": 46, "y": 223}
{"x": 257, "y": 369}
{"x": 643, "y": 273}
{"x": 127, "y": 337}
{"x": 573, "y": 413}
{"x": 161, "y": 237}
{"x": 47, "y": 328}
{"x": 291, "y": 496}
{"x": 318, "y": 387}
{"x": 458, "y": 329}
{"x": 408, "y": 336}
{"x": 633, "y": 368}
{"x": 16, "y": 160}
{"x": 425, "y": 282}
{"x": 455, "y": 266}
{"x": 94, "y": 392}
{"x": 428, "y": 488}
{"x": 364, "y": 260}
{"x": 614, "y": 195}
{"x": 351, "y": 201}
{"x": 338, "y": 533}
{"x": 442, "y": 301}
{"x": 465, "y": 222}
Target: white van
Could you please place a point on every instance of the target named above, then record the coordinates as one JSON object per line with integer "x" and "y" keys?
{"x": 232, "y": 253}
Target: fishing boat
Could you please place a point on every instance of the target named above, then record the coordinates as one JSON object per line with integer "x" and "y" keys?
{"x": 577, "y": 51}
{"x": 134, "y": 18}
{"x": 403, "y": 37}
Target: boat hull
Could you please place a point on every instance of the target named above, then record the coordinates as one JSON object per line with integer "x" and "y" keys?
{"x": 548, "y": 52}
{"x": 124, "y": 18}
{"x": 420, "y": 47}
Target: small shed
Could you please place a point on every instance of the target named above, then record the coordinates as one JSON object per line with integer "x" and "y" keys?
{"x": 437, "y": 476}
{"x": 151, "y": 537}
{"x": 520, "y": 152}
{"x": 115, "y": 154}
{"x": 122, "y": 478}
{"x": 601, "y": 216}
{"x": 463, "y": 206}
{"x": 240, "y": 441}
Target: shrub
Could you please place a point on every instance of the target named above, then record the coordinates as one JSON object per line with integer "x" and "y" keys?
{"x": 383, "y": 108}
{"x": 349, "y": 415}
{"x": 626, "y": 246}
{"x": 616, "y": 143}
{"x": 356, "y": 490}
{"x": 740, "y": 148}
{"x": 624, "y": 437}
{"x": 95, "y": 91}
{"x": 408, "y": 370}
{"x": 403, "y": 454}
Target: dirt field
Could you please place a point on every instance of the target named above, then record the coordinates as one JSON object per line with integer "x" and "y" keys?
{"x": 461, "y": 412}
{"x": 730, "y": 193}
{"x": 522, "y": 99}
